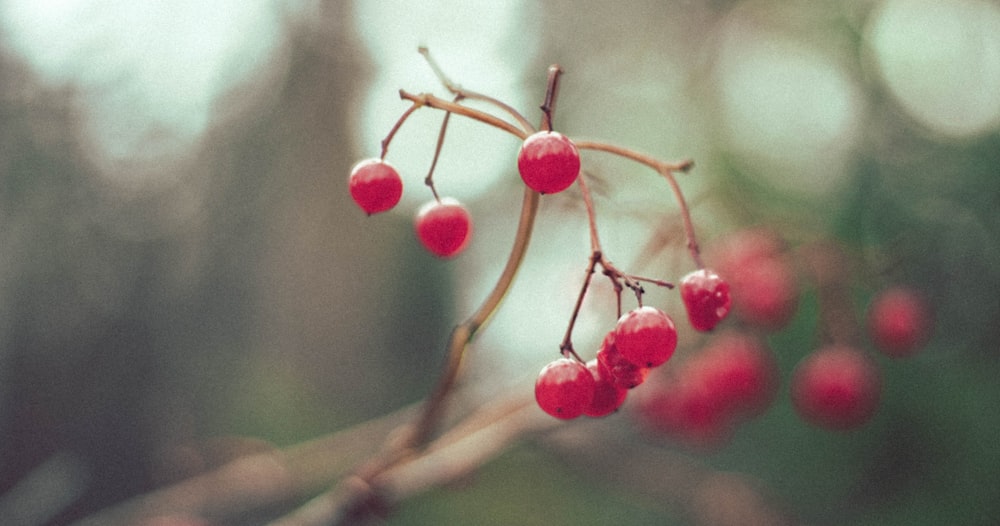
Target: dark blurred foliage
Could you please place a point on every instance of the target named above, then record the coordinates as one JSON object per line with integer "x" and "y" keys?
{"x": 237, "y": 300}
{"x": 150, "y": 334}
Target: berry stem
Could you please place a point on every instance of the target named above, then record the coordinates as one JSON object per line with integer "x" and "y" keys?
{"x": 431, "y": 101}
{"x": 619, "y": 279}
{"x": 460, "y": 92}
{"x": 666, "y": 169}
{"x": 551, "y": 93}
{"x": 588, "y": 204}
{"x": 429, "y": 180}
{"x": 567, "y": 343}
{"x": 462, "y": 334}
{"x": 395, "y": 128}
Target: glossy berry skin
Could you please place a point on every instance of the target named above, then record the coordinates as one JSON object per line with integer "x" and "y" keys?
{"x": 608, "y": 397}
{"x": 706, "y": 298}
{"x": 836, "y": 387}
{"x": 443, "y": 227}
{"x": 899, "y": 322}
{"x": 646, "y": 336}
{"x": 565, "y": 388}
{"x": 612, "y": 365}
{"x": 375, "y": 186}
{"x": 548, "y": 162}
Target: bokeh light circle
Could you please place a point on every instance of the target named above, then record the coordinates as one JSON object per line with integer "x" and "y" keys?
{"x": 791, "y": 112}
{"x": 941, "y": 61}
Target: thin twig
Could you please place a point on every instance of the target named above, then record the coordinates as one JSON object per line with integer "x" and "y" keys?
{"x": 431, "y": 101}
{"x": 665, "y": 169}
{"x": 395, "y": 128}
{"x": 619, "y": 279}
{"x": 551, "y": 94}
{"x": 457, "y": 90}
{"x": 429, "y": 179}
{"x": 567, "y": 342}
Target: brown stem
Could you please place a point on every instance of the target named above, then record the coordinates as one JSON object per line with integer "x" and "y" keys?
{"x": 619, "y": 279}
{"x": 567, "y": 343}
{"x": 395, "y": 128}
{"x": 551, "y": 93}
{"x": 666, "y": 169}
{"x": 463, "y": 333}
{"x": 457, "y": 90}
{"x": 360, "y": 495}
{"x": 429, "y": 179}
{"x": 431, "y": 101}
{"x": 588, "y": 204}
{"x": 692, "y": 241}
{"x": 474, "y": 441}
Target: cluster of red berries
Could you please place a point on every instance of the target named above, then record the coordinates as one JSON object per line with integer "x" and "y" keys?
{"x": 839, "y": 386}
{"x": 701, "y": 401}
{"x": 548, "y": 162}
{"x": 735, "y": 377}
{"x": 642, "y": 340}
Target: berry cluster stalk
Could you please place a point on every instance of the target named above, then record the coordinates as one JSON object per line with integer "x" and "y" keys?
{"x": 358, "y": 498}
{"x": 666, "y": 169}
{"x": 463, "y": 333}
{"x": 619, "y": 279}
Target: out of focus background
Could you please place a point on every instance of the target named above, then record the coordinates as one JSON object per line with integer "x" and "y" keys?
{"x": 184, "y": 278}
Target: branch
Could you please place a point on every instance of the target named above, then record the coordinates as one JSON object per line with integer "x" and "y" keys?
{"x": 253, "y": 484}
{"x": 463, "y": 93}
{"x": 607, "y": 450}
{"x": 475, "y": 441}
{"x": 426, "y": 99}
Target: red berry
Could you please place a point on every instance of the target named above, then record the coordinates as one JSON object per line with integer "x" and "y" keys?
{"x": 683, "y": 409}
{"x": 444, "y": 227}
{"x": 899, "y": 322}
{"x": 706, "y": 298}
{"x": 765, "y": 293}
{"x": 622, "y": 372}
{"x": 375, "y": 185}
{"x": 741, "y": 372}
{"x": 549, "y": 162}
{"x": 836, "y": 387}
{"x": 743, "y": 247}
{"x": 608, "y": 397}
{"x": 701, "y": 402}
{"x": 762, "y": 282}
{"x": 646, "y": 336}
{"x": 565, "y": 388}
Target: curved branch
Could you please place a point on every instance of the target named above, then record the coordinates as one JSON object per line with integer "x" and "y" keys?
{"x": 463, "y": 333}
{"x": 431, "y": 101}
